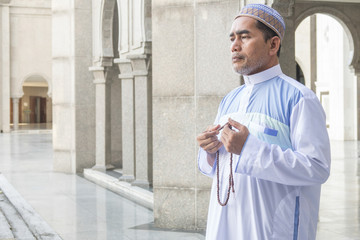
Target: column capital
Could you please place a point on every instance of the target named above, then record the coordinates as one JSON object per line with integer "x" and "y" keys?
{"x": 125, "y": 67}
{"x": 99, "y": 74}
{"x": 140, "y": 63}
{"x": 16, "y": 97}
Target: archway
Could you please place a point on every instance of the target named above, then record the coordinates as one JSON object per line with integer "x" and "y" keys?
{"x": 35, "y": 106}
{"x": 324, "y": 45}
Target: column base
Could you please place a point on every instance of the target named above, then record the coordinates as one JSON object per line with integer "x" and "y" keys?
{"x": 103, "y": 168}
{"x": 127, "y": 178}
{"x": 141, "y": 183}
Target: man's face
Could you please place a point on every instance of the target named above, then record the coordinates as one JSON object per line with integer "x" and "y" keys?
{"x": 250, "y": 52}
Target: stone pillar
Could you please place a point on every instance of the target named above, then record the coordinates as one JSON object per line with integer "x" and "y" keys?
{"x": 116, "y": 131}
{"x": 128, "y": 127}
{"x": 5, "y": 68}
{"x": 287, "y": 54}
{"x": 187, "y": 89}
{"x": 103, "y": 124}
{"x": 313, "y": 53}
{"x": 15, "y": 101}
{"x": 357, "y": 72}
{"x": 74, "y": 95}
{"x": 143, "y": 119}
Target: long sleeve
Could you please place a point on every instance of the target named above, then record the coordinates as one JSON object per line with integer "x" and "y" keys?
{"x": 204, "y": 162}
{"x": 307, "y": 163}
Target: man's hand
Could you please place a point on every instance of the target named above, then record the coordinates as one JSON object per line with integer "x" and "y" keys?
{"x": 208, "y": 140}
{"x": 234, "y": 141}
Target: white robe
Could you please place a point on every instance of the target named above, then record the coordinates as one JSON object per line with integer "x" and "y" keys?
{"x": 284, "y": 161}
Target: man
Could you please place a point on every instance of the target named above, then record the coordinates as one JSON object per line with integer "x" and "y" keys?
{"x": 274, "y": 150}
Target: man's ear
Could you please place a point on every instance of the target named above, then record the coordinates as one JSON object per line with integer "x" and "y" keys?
{"x": 274, "y": 45}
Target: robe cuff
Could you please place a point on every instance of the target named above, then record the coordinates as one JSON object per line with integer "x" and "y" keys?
{"x": 203, "y": 164}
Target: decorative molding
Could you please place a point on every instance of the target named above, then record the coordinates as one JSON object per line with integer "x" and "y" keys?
{"x": 125, "y": 68}
{"x": 99, "y": 74}
{"x": 140, "y": 64}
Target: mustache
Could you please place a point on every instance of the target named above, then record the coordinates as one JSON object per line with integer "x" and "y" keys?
{"x": 237, "y": 55}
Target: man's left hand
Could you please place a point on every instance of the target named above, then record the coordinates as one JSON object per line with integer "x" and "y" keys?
{"x": 234, "y": 141}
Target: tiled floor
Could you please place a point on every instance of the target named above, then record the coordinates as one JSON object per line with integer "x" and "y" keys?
{"x": 78, "y": 209}
{"x": 340, "y": 203}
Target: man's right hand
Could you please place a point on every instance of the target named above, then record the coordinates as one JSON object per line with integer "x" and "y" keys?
{"x": 208, "y": 140}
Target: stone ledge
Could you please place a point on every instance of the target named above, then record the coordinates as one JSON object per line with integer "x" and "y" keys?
{"x": 34, "y": 222}
{"x": 125, "y": 189}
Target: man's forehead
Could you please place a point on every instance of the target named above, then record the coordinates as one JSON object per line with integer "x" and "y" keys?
{"x": 243, "y": 23}
{"x": 265, "y": 14}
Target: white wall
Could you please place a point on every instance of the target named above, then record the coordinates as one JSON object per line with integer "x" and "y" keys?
{"x": 30, "y": 42}
{"x": 334, "y": 76}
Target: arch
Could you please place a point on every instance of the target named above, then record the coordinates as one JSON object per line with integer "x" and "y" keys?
{"x": 106, "y": 32}
{"x": 346, "y": 23}
{"x": 41, "y": 75}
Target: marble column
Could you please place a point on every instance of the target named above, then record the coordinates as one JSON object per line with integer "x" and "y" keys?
{"x": 313, "y": 55}
{"x": 102, "y": 116}
{"x": 15, "y": 101}
{"x": 287, "y": 54}
{"x": 127, "y": 119}
{"x": 5, "y": 69}
{"x": 143, "y": 126}
{"x": 357, "y": 72}
{"x": 73, "y": 98}
{"x": 187, "y": 88}
{"x": 116, "y": 131}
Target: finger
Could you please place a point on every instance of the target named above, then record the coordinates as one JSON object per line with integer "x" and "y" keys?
{"x": 227, "y": 130}
{"x": 213, "y": 128}
{"x": 206, "y": 135}
{"x": 211, "y": 144}
{"x": 215, "y": 147}
{"x": 235, "y": 124}
{"x": 207, "y": 141}
{"x": 224, "y": 138}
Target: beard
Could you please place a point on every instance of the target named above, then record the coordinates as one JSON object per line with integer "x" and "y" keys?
{"x": 249, "y": 66}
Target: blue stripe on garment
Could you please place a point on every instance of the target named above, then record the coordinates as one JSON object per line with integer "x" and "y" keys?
{"x": 274, "y": 98}
{"x": 296, "y": 218}
{"x": 271, "y": 132}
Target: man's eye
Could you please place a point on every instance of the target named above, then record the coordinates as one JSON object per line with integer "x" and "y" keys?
{"x": 232, "y": 39}
{"x": 244, "y": 37}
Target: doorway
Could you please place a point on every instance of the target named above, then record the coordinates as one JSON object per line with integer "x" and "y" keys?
{"x": 37, "y": 109}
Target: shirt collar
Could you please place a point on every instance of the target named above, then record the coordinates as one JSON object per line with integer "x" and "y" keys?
{"x": 263, "y": 76}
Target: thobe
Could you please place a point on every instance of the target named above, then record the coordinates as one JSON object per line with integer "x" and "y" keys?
{"x": 279, "y": 172}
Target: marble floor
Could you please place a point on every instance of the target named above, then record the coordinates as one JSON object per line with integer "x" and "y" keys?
{"x": 78, "y": 209}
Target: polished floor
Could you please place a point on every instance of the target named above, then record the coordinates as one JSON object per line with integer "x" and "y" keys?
{"x": 78, "y": 209}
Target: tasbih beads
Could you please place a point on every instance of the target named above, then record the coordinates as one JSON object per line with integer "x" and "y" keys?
{"x": 231, "y": 180}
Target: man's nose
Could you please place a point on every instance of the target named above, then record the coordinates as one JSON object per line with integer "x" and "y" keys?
{"x": 235, "y": 46}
